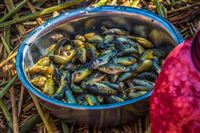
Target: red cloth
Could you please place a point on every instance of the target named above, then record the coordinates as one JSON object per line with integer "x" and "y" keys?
{"x": 175, "y": 102}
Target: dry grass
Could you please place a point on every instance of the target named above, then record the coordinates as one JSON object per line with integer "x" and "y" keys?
{"x": 18, "y": 112}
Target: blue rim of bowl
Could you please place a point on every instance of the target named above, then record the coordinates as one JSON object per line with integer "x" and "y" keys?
{"x": 19, "y": 59}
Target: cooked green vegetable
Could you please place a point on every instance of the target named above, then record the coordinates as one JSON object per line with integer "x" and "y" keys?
{"x": 98, "y": 68}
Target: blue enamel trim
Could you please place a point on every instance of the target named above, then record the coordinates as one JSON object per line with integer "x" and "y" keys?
{"x": 19, "y": 59}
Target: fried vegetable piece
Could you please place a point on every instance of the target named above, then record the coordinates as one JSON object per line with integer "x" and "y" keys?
{"x": 114, "y": 99}
{"x": 49, "y": 87}
{"x": 39, "y": 81}
{"x": 67, "y": 57}
{"x": 144, "y": 42}
{"x": 91, "y": 50}
{"x": 63, "y": 82}
{"x": 147, "y": 75}
{"x": 136, "y": 94}
{"x": 102, "y": 60}
{"x": 46, "y": 70}
{"x": 145, "y": 65}
{"x": 69, "y": 96}
{"x": 76, "y": 89}
{"x": 126, "y": 61}
{"x": 99, "y": 88}
{"x": 91, "y": 100}
{"x": 113, "y": 68}
{"x": 115, "y": 31}
{"x": 81, "y": 74}
{"x": 81, "y": 55}
{"x": 43, "y": 62}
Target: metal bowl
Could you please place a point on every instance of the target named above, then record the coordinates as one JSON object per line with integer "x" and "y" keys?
{"x": 137, "y": 21}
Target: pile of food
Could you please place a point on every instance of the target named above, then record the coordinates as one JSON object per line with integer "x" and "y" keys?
{"x": 98, "y": 68}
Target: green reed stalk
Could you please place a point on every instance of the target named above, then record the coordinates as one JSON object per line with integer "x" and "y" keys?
{"x": 41, "y": 13}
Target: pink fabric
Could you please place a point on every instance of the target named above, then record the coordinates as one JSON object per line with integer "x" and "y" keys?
{"x": 175, "y": 102}
{"x": 196, "y": 50}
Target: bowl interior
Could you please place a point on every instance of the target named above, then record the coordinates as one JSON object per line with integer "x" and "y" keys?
{"x": 136, "y": 24}
{"x": 83, "y": 21}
